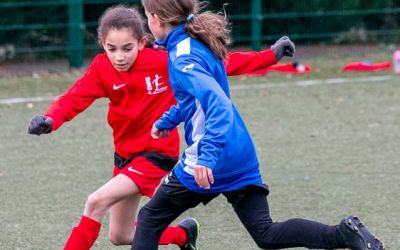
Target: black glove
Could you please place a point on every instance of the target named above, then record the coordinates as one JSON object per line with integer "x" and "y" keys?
{"x": 283, "y": 47}
{"x": 40, "y": 125}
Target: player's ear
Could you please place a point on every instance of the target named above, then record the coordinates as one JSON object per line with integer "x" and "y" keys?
{"x": 103, "y": 44}
{"x": 157, "y": 19}
{"x": 142, "y": 42}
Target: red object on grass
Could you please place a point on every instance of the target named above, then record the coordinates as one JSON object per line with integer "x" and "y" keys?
{"x": 367, "y": 66}
{"x": 285, "y": 68}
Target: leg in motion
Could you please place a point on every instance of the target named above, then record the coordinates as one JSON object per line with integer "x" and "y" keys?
{"x": 85, "y": 234}
{"x": 153, "y": 219}
{"x": 251, "y": 206}
{"x": 170, "y": 201}
{"x": 122, "y": 220}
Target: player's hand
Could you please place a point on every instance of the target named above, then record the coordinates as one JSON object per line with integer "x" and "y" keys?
{"x": 283, "y": 47}
{"x": 40, "y": 125}
{"x": 203, "y": 176}
{"x": 158, "y": 134}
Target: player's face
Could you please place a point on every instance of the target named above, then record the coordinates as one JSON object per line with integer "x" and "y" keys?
{"x": 155, "y": 25}
{"x": 122, "y": 48}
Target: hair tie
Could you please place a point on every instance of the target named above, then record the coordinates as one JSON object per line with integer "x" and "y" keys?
{"x": 189, "y": 17}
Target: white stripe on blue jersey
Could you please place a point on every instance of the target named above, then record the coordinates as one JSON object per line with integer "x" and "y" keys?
{"x": 183, "y": 47}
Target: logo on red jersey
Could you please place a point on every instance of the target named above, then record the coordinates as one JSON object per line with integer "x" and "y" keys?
{"x": 155, "y": 86}
{"x": 116, "y": 87}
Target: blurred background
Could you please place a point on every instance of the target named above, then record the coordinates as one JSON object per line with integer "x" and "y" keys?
{"x": 66, "y": 29}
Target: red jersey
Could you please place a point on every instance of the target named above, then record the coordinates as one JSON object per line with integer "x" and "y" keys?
{"x": 138, "y": 97}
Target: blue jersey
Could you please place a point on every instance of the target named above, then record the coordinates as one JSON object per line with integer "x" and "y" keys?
{"x": 214, "y": 130}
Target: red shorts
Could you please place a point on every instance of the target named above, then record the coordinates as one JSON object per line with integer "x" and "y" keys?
{"x": 144, "y": 174}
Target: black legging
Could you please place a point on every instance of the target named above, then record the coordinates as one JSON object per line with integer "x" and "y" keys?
{"x": 250, "y": 205}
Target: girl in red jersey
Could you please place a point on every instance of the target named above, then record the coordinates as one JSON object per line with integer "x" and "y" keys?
{"x": 135, "y": 80}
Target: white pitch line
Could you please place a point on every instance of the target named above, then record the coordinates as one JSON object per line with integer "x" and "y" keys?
{"x": 306, "y": 83}
{"x": 17, "y": 100}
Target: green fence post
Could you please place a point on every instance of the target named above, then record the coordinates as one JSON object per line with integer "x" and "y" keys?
{"x": 75, "y": 33}
{"x": 256, "y": 24}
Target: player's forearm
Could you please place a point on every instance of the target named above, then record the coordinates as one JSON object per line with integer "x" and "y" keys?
{"x": 238, "y": 63}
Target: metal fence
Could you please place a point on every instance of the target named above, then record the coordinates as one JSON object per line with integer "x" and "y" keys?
{"x": 38, "y": 30}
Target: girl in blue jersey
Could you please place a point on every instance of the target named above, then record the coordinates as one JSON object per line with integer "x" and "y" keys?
{"x": 221, "y": 157}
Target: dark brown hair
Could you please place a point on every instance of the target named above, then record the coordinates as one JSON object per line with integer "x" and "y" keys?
{"x": 118, "y": 17}
{"x": 209, "y": 27}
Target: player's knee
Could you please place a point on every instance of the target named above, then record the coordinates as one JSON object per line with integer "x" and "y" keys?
{"x": 95, "y": 202}
{"x": 261, "y": 244}
{"x": 116, "y": 241}
{"x": 143, "y": 214}
{"x": 146, "y": 218}
{"x": 119, "y": 239}
{"x": 264, "y": 243}
{"x": 92, "y": 201}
